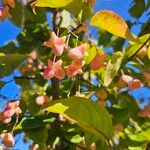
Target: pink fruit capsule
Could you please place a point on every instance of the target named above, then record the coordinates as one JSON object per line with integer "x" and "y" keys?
{"x": 7, "y": 139}
{"x": 13, "y": 105}
{"x": 34, "y": 147}
{"x": 78, "y": 52}
{"x": 54, "y": 69}
{"x": 8, "y": 113}
{"x": 57, "y": 44}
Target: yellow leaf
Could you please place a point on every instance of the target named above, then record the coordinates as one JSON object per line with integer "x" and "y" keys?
{"x": 2, "y": 54}
{"x": 52, "y": 3}
{"x": 112, "y": 23}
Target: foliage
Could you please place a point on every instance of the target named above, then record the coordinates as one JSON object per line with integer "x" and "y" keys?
{"x": 61, "y": 70}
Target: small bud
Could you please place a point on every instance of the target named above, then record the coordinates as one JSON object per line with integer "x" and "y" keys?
{"x": 102, "y": 103}
{"x": 34, "y": 147}
{"x": 101, "y": 95}
{"x": 124, "y": 80}
{"x": 93, "y": 146}
{"x": 6, "y": 120}
{"x": 145, "y": 112}
{"x": 33, "y": 55}
{"x": 143, "y": 52}
{"x": 117, "y": 128}
{"x": 135, "y": 84}
{"x": 40, "y": 100}
{"x": 146, "y": 77}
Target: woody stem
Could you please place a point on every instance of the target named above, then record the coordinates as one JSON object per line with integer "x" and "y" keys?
{"x": 55, "y": 81}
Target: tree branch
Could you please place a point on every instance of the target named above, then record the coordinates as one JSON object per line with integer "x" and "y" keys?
{"x": 139, "y": 48}
{"x": 55, "y": 81}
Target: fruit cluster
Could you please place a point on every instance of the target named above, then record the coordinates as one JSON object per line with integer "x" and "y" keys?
{"x": 11, "y": 109}
{"x": 54, "y": 68}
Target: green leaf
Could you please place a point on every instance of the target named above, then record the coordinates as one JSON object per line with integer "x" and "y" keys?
{"x": 143, "y": 147}
{"x": 52, "y": 3}
{"x": 90, "y": 138}
{"x": 10, "y": 62}
{"x": 28, "y": 100}
{"x": 112, "y": 23}
{"x": 29, "y": 123}
{"x": 112, "y": 68}
{"x": 137, "y": 9}
{"x": 87, "y": 114}
{"x": 80, "y": 9}
{"x": 8, "y": 48}
{"x": 119, "y": 115}
{"x": 29, "y": 16}
{"x": 104, "y": 37}
{"x": 17, "y": 13}
{"x": 128, "y": 102}
{"x": 39, "y": 136}
{"x": 92, "y": 51}
{"x": 142, "y": 136}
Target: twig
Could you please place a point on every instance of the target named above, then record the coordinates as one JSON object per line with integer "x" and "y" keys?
{"x": 73, "y": 30}
{"x": 17, "y": 118}
{"x": 68, "y": 95}
{"x": 26, "y": 77}
{"x": 140, "y": 48}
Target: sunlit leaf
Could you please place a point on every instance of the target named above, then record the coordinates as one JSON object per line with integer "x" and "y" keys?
{"x": 2, "y": 54}
{"x": 52, "y": 3}
{"x": 112, "y": 23}
{"x": 39, "y": 136}
{"x": 112, "y": 67}
{"x": 81, "y": 111}
{"x": 92, "y": 51}
{"x": 142, "y": 136}
{"x": 79, "y": 9}
{"x": 76, "y": 139}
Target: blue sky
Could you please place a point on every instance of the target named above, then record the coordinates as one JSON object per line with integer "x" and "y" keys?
{"x": 9, "y": 31}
